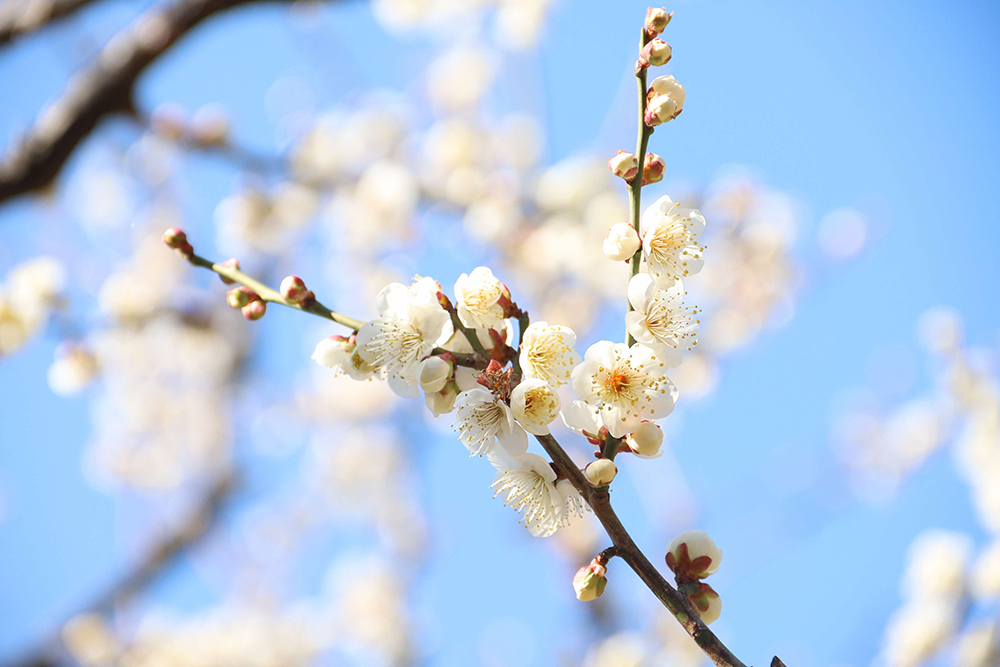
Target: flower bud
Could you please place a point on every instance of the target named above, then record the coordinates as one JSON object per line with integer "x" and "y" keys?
{"x": 652, "y": 169}
{"x": 332, "y": 351}
{"x": 693, "y": 555}
{"x": 254, "y": 310}
{"x": 657, "y": 20}
{"x": 231, "y": 263}
{"x": 590, "y": 581}
{"x": 433, "y": 373}
{"x": 624, "y": 165}
{"x": 707, "y": 603}
{"x": 294, "y": 289}
{"x": 659, "y": 110}
{"x": 600, "y": 472}
{"x": 175, "y": 238}
{"x": 622, "y": 242}
{"x": 655, "y": 53}
{"x": 240, "y": 296}
{"x": 646, "y": 440}
{"x": 442, "y": 402}
{"x": 667, "y": 85}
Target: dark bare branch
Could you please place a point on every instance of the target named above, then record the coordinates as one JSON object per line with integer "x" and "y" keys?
{"x": 22, "y": 17}
{"x": 103, "y": 88}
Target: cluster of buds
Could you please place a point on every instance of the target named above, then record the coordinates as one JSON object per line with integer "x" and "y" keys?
{"x": 248, "y": 301}
{"x": 655, "y": 52}
{"x": 600, "y": 472}
{"x": 293, "y": 289}
{"x": 176, "y": 239}
{"x": 692, "y": 556}
{"x": 233, "y": 264}
{"x": 590, "y": 581}
{"x": 624, "y": 165}
{"x": 664, "y": 100}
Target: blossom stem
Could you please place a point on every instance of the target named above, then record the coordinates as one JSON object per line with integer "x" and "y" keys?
{"x": 523, "y": 321}
{"x": 625, "y": 548}
{"x": 470, "y": 334}
{"x": 635, "y": 185}
{"x": 611, "y": 446}
{"x": 271, "y": 296}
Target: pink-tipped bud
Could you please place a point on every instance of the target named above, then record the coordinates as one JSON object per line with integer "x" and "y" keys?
{"x": 590, "y": 581}
{"x": 624, "y": 165}
{"x": 600, "y": 472}
{"x": 659, "y": 110}
{"x": 693, "y": 555}
{"x": 255, "y": 310}
{"x": 655, "y": 53}
{"x": 657, "y": 20}
{"x": 706, "y": 602}
{"x": 175, "y": 238}
{"x": 294, "y": 289}
{"x": 652, "y": 169}
{"x": 231, "y": 263}
{"x": 240, "y": 296}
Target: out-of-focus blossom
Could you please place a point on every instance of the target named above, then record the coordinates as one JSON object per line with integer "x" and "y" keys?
{"x": 29, "y": 293}
{"x": 73, "y": 369}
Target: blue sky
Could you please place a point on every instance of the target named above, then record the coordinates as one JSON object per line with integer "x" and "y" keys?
{"x": 889, "y": 107}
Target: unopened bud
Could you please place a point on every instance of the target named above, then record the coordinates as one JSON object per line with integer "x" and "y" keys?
{"x": 668, "y": 85}
{"x": 175, "y": 238}
{"x": 693, "y": 555}
{"x": 655, "y": 53}
{"x": 657, "y": 20}
{"x": 624, "y": 165}
{"x": 706, "y": 602}
{"x": 240, "y": 296}
{"x": 622, "y": 242}
{"x": 231, "y": 263}
{"x": 646, "y": 440}
{"x": 590, "y": 581}
{"x": 659, "y": 110}
{"x": 442, "y": 402}
{"x": 294, "y": 289}
{"x": 433, "y": 373}
{"x": 652, "y": 169}
{"x": 600, "y": 472}
{"x": 255, "y": 310}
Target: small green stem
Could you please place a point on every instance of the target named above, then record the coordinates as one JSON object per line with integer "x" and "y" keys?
{"x": 523, "y": 321}
{"x": 469, "y": 333}
{"x": 635, "y": 185}
{"x": 271, "y": 296}
{"x": 611, "y": 448}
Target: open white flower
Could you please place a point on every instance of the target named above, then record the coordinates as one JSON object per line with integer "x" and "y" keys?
{"x": 627, "y": 384}
{"x": 482, "y": 419}
{"x": 411, "y": 323}
{"x": 535, "y": 405}
{"x": 478, "y": 295}
{"x": 343, "y": 355}
{"x": 582, "y": 418}
{"x": 670, "y": 241}
{"x": 660, "y": 319}
{"x": 531, "y": 489}
{"x": 547, "y": 353}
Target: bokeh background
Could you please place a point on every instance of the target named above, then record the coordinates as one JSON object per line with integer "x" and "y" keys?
{"x": 837, "y": 432}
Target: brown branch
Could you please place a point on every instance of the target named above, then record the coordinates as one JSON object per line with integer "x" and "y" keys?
{"x": 155, "y": 563}
{"x": 22, "y": 17}
{"x": 675, "y": 602}
{"x": 104, "y": 88}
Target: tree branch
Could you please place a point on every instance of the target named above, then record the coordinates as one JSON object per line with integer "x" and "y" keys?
{"x": 676, "y": 603}
{"x": 163, "y": 554}
{"x": 105, "y": 87}
{"x": 22, "y": 17}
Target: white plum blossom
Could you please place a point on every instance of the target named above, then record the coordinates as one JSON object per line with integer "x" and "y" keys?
{"x": 627, "y": 384}
{"x": 482, "y": 418}
{"x": 582, "y": 418}
{"x": 478, "y": 295}
{"x": 535, "y": 405}
{"x": 660, "y": 319}
{"x": 547, "y": 353}
{"x": 528, "y": 484}
{"x": 621, "y": 242}
{"x": 434, "y": 373}
{"x": 670, "y": 241}
{"x": 411, "y": 323}
{"x": 343, "y": 355}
